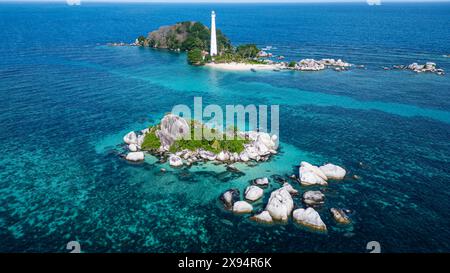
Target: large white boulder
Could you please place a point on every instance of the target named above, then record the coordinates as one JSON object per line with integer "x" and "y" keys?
{"x": 132, "y": 147}
{"x": 175, "y": 161}
{"x": 308, "y": 178}
{"x": 313, "y": 169}
{"x": 266, "y": 139}
{"x": 263, "y": 217}
{"x": 333, "y": 171}
{"x": 261, "y": 148}
{"x": 280, "y": 205}
{"x": 173, "y": 127}
{"x": 244, "y": 156}
{"x": 229, "y": 197}
{"x": 130, "y": 138}
{"x": 251, "y": 151}
{"x": 135, "y": 156}
{"x": 242, "y": 207}
{"x": 253, "y": 193}
{"x": 309, "y": 217}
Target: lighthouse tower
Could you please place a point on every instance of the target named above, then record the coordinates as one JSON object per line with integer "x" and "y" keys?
{"x": 213, "y": 50}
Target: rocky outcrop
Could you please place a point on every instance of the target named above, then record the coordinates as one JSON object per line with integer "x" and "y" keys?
{"x": 311, "y": 175}
{"x": 159, "y": 139}
{"x": 130, "y": 138}
{"x": 333, "y": 171}
{"x": 172, "y": 127}
{"x": 309, "y": 218}
{"x": 428, "y": 67}
{"x": 317, "y": 65}
{"x": 253, "y": 193}
{"x": 135, "y": 156}
{"x": 280, "y": 205}
{"x": 340, "y": 216}
{"x": 263, "y": 217}
{"x": 241, "y": 207}
{"x": 229, "y": 197}
{"x": 313, "y": 198}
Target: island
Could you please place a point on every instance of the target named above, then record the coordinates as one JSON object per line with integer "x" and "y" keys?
{"x": 211, "y": 48}
{"x": 174, "y": 139}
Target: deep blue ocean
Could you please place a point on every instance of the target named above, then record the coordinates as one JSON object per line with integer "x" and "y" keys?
{"x": 66, "y": 100}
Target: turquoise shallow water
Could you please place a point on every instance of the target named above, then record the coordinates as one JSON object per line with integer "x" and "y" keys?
{"x": 67, "y": 100}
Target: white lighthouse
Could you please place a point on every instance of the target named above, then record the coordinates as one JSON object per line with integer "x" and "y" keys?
{"x": 213, "y": 50}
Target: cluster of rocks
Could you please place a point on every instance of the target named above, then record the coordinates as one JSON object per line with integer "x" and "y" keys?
{"x": 260, "y": 147}
{"x": 280, "y": 206}
{"x": 134, "y": 142}
{"x": 312, "y": 175}
{"x": 429, "y": 67}
{"x": 317, "y": 65}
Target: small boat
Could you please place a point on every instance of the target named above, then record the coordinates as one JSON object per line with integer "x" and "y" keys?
{"x": 252, "y": 69}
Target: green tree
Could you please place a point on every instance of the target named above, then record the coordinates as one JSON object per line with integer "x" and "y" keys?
{"x": 247, "y": 51}
{"x": 195, "y": 57}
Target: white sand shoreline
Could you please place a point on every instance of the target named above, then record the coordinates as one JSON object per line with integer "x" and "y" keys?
{"x": 242, "y": 66}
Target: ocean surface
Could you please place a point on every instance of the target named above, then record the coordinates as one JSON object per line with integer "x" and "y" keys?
{"x": 67, "y": 99}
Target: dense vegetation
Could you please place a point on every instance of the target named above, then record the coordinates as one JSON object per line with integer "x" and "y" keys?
{"x": 194, "y": 37}
{"x": 185, "y": 36}
{"x": 152, "y": 142}
{"x": 195, "y": 57}
{"x": 247, "y": 53}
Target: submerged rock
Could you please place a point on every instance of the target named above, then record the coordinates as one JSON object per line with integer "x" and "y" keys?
{"x": 313, "y": 198}
{"x": 264, "y": 181}
{"x": 233, "y": 168}
{"x": 263, "y": 217}
{"x": 229, "y": 197}
{"x": 340, "y": 216}
{"x": 175, "y": 161}
{"x": 309, "y": 217}
{"x": 242, "y": 207}
{"x": 333, "y": 171}
{"x": 135, "y": 156}
{"x": 253, "y": 193}
{"x": 280, "y": 205}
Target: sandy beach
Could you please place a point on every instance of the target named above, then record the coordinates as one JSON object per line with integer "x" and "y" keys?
{"x": 241, "y": 66}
